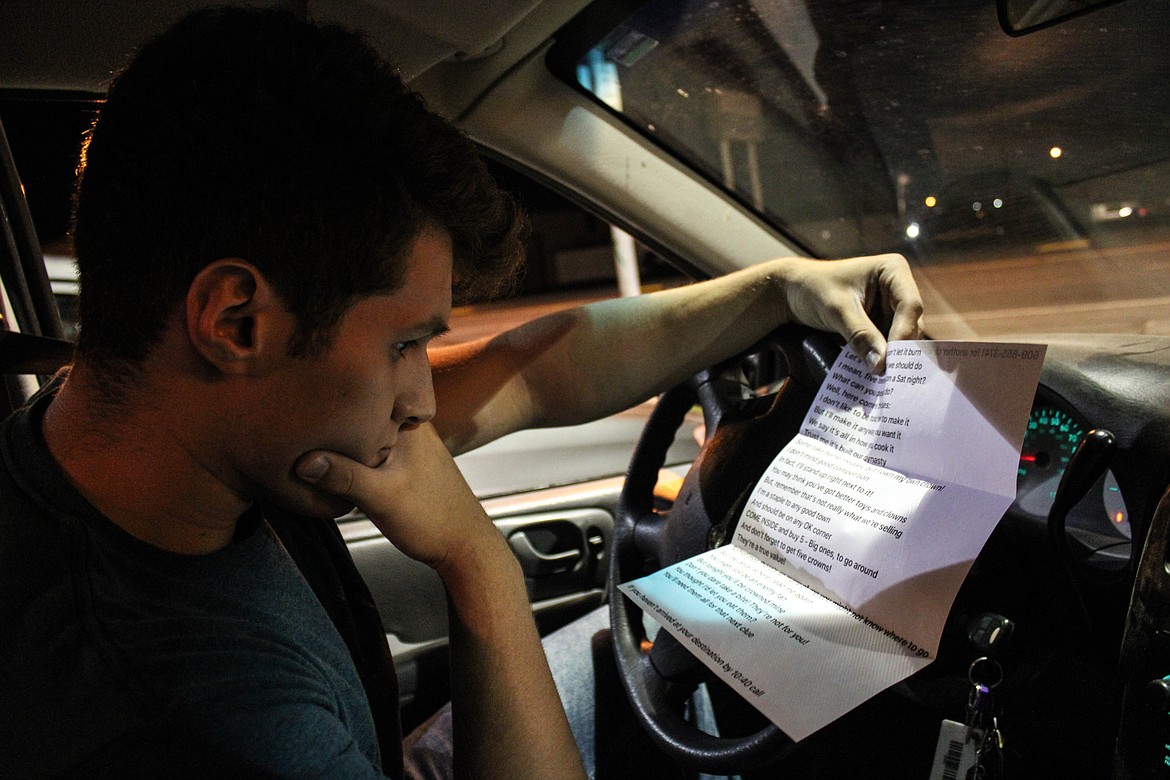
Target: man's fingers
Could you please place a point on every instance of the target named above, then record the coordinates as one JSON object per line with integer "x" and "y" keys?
{"x": 906, "y": 324}
{"x": 902, "y": 300}
{"x": 901, "y": 304}
{"x": 849, "y": 318}
{"x": 332, "y": 473}
{"x": 869, "y": 345}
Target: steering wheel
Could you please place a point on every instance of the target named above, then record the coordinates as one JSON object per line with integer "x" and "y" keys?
{"x": 752, "y": 406}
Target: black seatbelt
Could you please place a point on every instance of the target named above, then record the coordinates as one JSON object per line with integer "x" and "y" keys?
{"x": 22, "y": 265}
{"x": 38, "y": 348}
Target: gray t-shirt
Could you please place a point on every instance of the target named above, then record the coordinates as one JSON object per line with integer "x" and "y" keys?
{"x": 118, "y": 658}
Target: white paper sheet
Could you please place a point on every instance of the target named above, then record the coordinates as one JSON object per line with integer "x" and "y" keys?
{"x": 852, "y": 546}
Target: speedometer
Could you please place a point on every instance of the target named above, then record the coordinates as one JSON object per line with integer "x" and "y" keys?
{"x": 1049, "y": 442}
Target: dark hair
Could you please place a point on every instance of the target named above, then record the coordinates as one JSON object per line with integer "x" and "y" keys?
{"x": 254, "y": 134}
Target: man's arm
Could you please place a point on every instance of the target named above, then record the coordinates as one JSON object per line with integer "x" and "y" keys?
{"x": 585, "y": 363}
{"x": 507, "y": 715}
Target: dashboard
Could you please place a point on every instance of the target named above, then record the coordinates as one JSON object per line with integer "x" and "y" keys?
{"x": 1080, "y": 631}
{"x": 1080, "y": 656}
{"x": 1098, "y": 525}
{"x": 1116, "y": 383}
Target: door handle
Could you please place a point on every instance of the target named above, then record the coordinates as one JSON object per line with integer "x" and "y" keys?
{"x": 535, "y": 563}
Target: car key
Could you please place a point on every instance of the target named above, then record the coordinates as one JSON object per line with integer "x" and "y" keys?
{"x": 973, "y": 749}
{"x": 982, "y": 721}
{"x": 983, "y": 718}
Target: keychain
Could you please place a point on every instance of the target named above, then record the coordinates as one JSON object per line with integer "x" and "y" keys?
{"x": 973, "y": 750}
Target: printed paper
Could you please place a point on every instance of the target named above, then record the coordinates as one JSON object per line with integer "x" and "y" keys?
{"x": 851, "y": 548}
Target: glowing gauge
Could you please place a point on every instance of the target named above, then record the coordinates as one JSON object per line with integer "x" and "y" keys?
{"x": 1115, "y": 506}
{"x": 1049, "y": 442}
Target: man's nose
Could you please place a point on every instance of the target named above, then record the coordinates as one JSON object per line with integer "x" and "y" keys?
{"x": 415, "y": 403}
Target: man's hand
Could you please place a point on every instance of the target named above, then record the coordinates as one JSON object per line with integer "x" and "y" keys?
{"x": 417, "y": 498}
{"x": 859, "y": 298}
{"x": 508, "y": 719}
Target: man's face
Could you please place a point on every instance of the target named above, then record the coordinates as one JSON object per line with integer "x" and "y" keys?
{"x": 370, "y": 387}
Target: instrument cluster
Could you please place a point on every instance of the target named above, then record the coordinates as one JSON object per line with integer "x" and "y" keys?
{"x": 1099, "y": 524}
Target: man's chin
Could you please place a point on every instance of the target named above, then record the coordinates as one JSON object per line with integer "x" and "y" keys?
{"x": 306, "y": 500}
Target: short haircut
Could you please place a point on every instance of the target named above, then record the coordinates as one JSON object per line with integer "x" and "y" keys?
{"x": 254, "y": 134}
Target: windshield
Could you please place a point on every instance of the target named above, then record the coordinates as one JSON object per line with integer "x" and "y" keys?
{"x": 1025, "y": 177}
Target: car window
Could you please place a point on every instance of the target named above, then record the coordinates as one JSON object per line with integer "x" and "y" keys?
{"x": 572, "y": 258}
{"x": 1025, "y": 176}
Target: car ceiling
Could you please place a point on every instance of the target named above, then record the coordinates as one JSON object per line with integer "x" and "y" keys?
{"x": 75, "y": 45}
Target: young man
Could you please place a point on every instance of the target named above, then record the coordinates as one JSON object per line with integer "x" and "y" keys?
{"x": 269, "y": 228}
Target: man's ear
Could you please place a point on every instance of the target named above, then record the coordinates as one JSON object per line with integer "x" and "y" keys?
{"x": 234, "y": 317}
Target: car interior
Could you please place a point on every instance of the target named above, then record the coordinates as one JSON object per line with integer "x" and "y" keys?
{"x": 1014, "y": 152}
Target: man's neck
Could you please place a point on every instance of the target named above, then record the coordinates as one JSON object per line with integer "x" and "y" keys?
{"x": 134, "y": 462}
